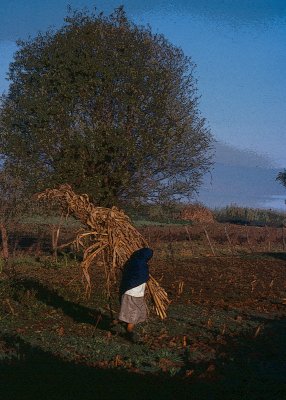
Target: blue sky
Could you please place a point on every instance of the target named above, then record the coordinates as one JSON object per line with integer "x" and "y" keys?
{"x": 239, "y": 47}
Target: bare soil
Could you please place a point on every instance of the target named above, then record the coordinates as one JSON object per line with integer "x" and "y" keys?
{"x": 224, "y": 337}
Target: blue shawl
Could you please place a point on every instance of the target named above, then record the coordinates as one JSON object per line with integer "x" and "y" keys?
{"x": 136, "y": 270}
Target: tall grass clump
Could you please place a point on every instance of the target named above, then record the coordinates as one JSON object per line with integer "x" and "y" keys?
{"x": 148, "y": 214}
{"x": 250, "y": 216}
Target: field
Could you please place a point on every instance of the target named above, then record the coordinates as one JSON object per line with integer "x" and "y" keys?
{"x": 223, "y": 338}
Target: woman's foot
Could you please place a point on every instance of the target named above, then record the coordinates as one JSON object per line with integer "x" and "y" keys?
{"x": 118, "y": 329}
{"x": 133, "y": 337}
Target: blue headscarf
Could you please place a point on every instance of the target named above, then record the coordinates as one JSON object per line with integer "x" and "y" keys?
{"x": 136, "y": 270}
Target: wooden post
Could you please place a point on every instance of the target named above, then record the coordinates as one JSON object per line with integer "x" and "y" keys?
{"x": 208, "y": 238}
{"x": 247, "y": 239}
{"x": 268, "y": 236}
{"x": 188, "y": 233}
{"x": 55, "y": 237}
{"x": 229, "y": 241}
{"x": 171, "y": 248}
{"x": 149, "y": 236}
{"x": 283, "y": 238}
{"x": 265, "y": 238}
{"x": 190, "y": 239}
{"x": 4, "y": 236}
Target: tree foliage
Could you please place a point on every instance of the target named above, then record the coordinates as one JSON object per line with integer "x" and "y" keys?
{"x": 12, "y": 204}
{"x": 108, "y": 107}
{"x": 11, "y": 197}
{"x": 281, "y": 177}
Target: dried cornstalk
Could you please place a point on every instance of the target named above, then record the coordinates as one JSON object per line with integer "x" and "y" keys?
{"x": 110, "y": 235}
{"x": 159, "y": 297}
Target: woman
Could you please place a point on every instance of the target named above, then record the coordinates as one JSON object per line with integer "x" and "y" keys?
{"x": 135, "y": 274}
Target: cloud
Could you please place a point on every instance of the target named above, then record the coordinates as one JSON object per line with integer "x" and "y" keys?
{"x": 232, "y": 156}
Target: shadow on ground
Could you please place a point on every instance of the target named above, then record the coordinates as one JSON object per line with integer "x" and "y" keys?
{"x": 77, "y": 312}
{"x": 251, "y": 369}
{"x": 278, "y": 255}
{"x": 256, "y": 366}
{"x": 40, "y": 375}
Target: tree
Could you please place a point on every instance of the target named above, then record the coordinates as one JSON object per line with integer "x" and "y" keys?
{"x": 281, "y": 177}
{"x": 108, "y": 107}
{"x": 12, "y": 205}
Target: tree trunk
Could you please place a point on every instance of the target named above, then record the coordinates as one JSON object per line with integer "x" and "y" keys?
{"x": 4, "y": 235}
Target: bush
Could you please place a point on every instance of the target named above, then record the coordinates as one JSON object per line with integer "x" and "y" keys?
{"x": 250, "y": 216}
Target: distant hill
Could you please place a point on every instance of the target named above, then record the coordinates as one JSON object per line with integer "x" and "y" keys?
{"x": 244, "y": 178}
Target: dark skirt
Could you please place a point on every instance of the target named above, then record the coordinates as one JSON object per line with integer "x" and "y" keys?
{"x": 133, "y": 309}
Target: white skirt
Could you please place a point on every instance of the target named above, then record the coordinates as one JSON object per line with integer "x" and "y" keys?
{"x": 133, "y": 309}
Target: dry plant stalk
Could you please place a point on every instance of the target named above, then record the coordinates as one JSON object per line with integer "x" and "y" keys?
{"x": 180, "y": 287}
{"x": 110, "y": 235}
{"x": 159, "y": 297}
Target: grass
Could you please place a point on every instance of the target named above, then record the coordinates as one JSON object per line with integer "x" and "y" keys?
{"x": 52, "y": 318}
{"x": 35, "y": 219}
{"x": 223, "y": 330}
{"x": 165, "y": 216}
{"x": 162, "y": 223}
{"x": 250, "y": 216}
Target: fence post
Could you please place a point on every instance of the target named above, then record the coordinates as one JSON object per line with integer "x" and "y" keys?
{"x": 190, "y": 239}
{"x": 283, "y": 238}
{"x": 148, "y": 234}
{"x": 208, "y": 238}
{"x": 247, "y": 239}
{"x": 229, "y": 241}
{"x": 55, "y": 237}
{"x": 171, "y": 249}
{"x": 5, "y": 247}
{"x": 268, "y": 236}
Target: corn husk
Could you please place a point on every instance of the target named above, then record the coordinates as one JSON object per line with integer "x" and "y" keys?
{"x": 110, "y": 238}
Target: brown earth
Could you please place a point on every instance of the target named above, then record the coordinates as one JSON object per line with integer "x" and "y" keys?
{"x": 223, "y": 338}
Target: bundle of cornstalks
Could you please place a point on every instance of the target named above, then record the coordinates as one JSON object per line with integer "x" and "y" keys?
{"x": 159, "y": 297}
{"x": 110, "y": 236}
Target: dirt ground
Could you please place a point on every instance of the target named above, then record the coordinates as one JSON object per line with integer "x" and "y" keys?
{"x": 224, "y": 337}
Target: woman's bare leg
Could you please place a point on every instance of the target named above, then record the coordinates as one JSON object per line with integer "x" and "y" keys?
{"x": 130, "y": 327}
